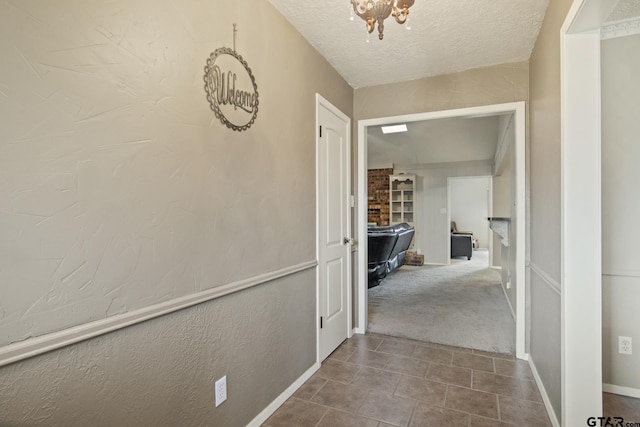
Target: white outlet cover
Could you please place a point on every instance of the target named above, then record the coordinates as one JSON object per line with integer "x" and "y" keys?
{"x": 221, "y": 390}
{"x": 624, "y": 345}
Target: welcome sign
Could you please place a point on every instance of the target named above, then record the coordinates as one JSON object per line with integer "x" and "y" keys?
{"x": 231, "y": 89}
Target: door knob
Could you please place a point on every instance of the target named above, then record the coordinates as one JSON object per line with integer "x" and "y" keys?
{"x": 347, "y": 241}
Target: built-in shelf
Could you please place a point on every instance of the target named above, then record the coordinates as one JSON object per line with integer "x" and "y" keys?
{"x": 402, "y": 187}
{"x": 500, "y": 226}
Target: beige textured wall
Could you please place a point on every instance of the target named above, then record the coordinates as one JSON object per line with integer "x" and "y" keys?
{"x": 482, "y": 86}
{"x": 162, "y": 372}
{"x": 120, "y": 189}
{"x": 620, "y": 177}
{"x": 544, "y": 120}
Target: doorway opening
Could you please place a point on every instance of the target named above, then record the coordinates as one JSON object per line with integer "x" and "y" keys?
{"x": 517, "y": 111}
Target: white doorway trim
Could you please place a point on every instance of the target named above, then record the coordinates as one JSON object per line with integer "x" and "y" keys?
{"x": 581, "y": 300}
{"x": 518, "y": 109}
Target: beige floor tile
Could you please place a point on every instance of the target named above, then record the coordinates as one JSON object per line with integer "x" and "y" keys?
{"x": 335, "y": 418}
{"x": 340, "y": 396}
{"x": 377, "y": 379}
{"x": 472, "y": 401}
{"x": 626, "y": 407}
{"x": 297, "y": 413}
{"x": 370, "y": 342}
{"x": 387, "y": 408}
{"x": 408, "y": 366}
{"x": 338, "y": 371}
{"x": 342, "y": 353}
{"x": 432, "y": 354}
{"x": 449, "y": 374}
{"x": 496, "y": 355}
{"x": 424, "y": 390}
{"x": 453, "y": 348}
{"x": 514, "y": 368}
{"x": 397, "y": 347}
{"x": 498, "y": 384}
{"x": 432, "y": 416}
{"x": 523, "y": 412}
{"x": 530, "y": 391}
{"x": 310, "y": 387}
{"x": 472, "y": 361}
{"x": 487, "y": 422}
{"x": 372, "y": 359}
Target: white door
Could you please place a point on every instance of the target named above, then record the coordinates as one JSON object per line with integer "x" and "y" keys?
{"x": 334, "y": 231}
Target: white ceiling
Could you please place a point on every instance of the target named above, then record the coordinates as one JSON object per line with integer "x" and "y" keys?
{"x": 434, "y": 141}
{"x": 625, "y": 9}
{"x": 446, "y": 36}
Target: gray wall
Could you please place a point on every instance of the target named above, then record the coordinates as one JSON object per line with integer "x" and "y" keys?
{"x": 620, "y": 206}
{"x": 502, "y": 196}
{"x": 120, "y": 190}
{"x": 469, "y": 203}
{"x": 545, "y": 209}
{"x": 432, "y": 228}
{"x": 162, "y": 372}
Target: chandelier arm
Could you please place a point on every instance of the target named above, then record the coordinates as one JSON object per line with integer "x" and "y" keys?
{"x": 400, "y": 15}
{"x": 376, "y": 11}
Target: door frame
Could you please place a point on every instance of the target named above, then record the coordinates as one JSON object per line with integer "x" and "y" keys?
{"x": 518, "y": 110}
{"x": 321, "y": 101}
{"x": 581, "y": 237}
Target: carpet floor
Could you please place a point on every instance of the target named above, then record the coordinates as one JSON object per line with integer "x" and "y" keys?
{"x": 461, "y": 304}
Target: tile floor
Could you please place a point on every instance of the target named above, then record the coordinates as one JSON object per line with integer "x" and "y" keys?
{"x": 380, "y": 381}
{"x": 621, "y": 406}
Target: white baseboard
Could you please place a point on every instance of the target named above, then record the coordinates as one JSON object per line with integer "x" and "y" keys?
{"x": 273, "y": 406}
{"x": 513, "y": 313}
{"x": 621, "y": 390}
{"x": 553, "y": 417}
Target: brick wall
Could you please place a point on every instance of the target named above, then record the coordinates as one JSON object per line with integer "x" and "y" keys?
{"x": 378, "y": 196}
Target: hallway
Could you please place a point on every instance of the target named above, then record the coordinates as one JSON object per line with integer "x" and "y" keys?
{"x": 381, "y": 381}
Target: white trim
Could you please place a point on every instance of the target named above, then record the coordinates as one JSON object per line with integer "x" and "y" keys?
{"x": 548, "y": 280}
{"x": 553, "y": 417}
{"x": 442, "y": 165}
{"x": 279, "y": 401}
{"x": 501, "y": 151}
{"x": 513, "y": 313}
{"x": 621, "y": 390}
{"x": 320, "y": 100}
{"x": 35, "y": 346}
{"x": 580, "y": 235}
{"x": 518, "y": 109}
{"x": 621, "y": 29}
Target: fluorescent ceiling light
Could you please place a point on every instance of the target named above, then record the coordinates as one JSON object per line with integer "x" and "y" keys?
{"x": 394, "y": 129}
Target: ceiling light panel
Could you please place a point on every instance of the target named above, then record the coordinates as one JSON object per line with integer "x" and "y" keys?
{"x": 394, "y": 129}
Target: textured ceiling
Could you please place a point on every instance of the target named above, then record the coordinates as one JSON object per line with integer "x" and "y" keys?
{"x": 446, "y": 36}
{"x": 434, "y": 141}
{"x": 625, "y": 9}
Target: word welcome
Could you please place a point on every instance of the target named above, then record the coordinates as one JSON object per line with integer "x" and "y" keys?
{"x": 231, "y": 89}
{"x": 226, "y": 93}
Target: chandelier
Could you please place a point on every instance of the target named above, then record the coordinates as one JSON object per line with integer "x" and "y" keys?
{"x": 372, "y": 11}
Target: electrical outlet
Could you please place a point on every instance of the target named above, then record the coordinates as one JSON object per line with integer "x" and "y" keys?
{"x": 624, "y": 345}
{"x": 221, "y": 390}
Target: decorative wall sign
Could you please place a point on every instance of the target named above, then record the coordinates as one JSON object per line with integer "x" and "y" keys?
{"x": 231, "y": 88}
